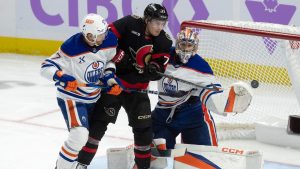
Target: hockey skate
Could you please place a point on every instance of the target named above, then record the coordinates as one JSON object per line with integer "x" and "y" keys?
{"x": 81, "y": 166}
{"x": 135, "y": 167}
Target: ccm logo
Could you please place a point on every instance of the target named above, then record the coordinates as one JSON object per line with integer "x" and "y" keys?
{"x": 232, "y": 151}
{"x": 144, "y": 117}
{"x": 118, "y": 57}
{"x": 89, "y": 21}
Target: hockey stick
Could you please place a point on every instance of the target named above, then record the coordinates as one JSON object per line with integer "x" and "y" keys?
{"x": 159, "y": 153}
{"x": 168, "y": 152}
{"x": 214, "y": 88}
{"x": 180, "y": 93}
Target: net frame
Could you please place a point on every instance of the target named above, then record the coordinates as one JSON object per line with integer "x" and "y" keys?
{"x": 287, "y": 33}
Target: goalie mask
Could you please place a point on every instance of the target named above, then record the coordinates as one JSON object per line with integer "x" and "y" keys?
{"x": 94, "y": 29}
{"x": 186, "y": 44}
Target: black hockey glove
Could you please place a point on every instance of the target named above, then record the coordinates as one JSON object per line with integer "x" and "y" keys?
{"x": 151, "y": 71}
{"x": 153, "y": 68}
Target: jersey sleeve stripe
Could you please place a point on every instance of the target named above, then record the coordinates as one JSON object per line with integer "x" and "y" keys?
{"x": 205, "y": 94}
{"x": 90, "y": 94}
{"x": 76, "y": 95}
{"x": 115, "y": 31}
{"x": 47, "y": 65}
{"x": 55, "y": 64}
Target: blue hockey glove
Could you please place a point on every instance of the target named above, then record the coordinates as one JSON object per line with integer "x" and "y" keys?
{"x": 68, "y": 82}
{"x": 114, "y": 86}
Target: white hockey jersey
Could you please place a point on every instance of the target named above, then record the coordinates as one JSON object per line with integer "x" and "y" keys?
{"x": 196, "y": 70}
{"x": 85, "y": 63}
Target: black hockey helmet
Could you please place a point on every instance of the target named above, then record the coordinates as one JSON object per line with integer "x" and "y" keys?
{"x": 155, "y": 11}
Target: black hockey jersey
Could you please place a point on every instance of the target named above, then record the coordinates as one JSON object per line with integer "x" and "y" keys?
{"x": 130, "y": 31}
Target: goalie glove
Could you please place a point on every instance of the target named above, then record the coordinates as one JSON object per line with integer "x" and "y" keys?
{"x": 236, "y": 99}
{"x": 239, "y": 98}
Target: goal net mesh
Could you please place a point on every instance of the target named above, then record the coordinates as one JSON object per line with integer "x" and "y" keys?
{"x": 248, "y": 55}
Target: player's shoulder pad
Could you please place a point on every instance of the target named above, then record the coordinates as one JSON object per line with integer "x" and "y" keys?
{"x": 198, "y": 63}
{"x": 135, "y": 16}
{"x": 131, "y": 18}
{"x": 128, "y": 21}
{"x": 164, "y": 42}
{"x": 110, "y": 41}
{"x": 74, "y": 45}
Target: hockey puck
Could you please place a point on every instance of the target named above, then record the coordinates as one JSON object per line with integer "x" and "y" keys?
{"x": 254, "y": 84}
{"x": 294, "y": 124}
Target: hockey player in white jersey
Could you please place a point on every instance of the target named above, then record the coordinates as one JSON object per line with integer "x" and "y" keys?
{"x": 190, "y": 114}
{"x": 85, "y": 58}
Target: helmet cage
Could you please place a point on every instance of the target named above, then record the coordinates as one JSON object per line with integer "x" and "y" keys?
{"x": 186, "y": 44}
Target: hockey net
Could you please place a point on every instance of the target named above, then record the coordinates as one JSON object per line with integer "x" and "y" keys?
{"x": 253, "y": 52}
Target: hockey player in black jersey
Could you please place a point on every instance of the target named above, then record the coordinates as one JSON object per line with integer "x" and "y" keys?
{"x": 143, "y": 50}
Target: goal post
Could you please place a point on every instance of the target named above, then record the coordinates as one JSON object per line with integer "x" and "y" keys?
{"x": 264, "y": 55}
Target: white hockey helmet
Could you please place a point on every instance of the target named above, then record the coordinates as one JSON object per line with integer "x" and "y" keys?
{"x": 95, "y": 25}
{"x": 186, "y": 44}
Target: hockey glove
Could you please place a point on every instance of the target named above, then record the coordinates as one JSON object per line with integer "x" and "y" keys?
{"x": 153, "y": 68}
{"x": 112, "y": 83}
{"x": 68, "y": 82}
{"x": 239, "y": 98}
{"x": 151, "y": 71}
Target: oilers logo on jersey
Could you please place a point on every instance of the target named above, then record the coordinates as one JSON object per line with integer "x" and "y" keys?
{"x": 169, "y": 85}
{"x": 93, "y": 72}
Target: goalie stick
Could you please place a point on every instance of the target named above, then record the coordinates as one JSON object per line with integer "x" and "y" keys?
{"x": 179, "y": 93}
{"x": 213, "y": 88}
